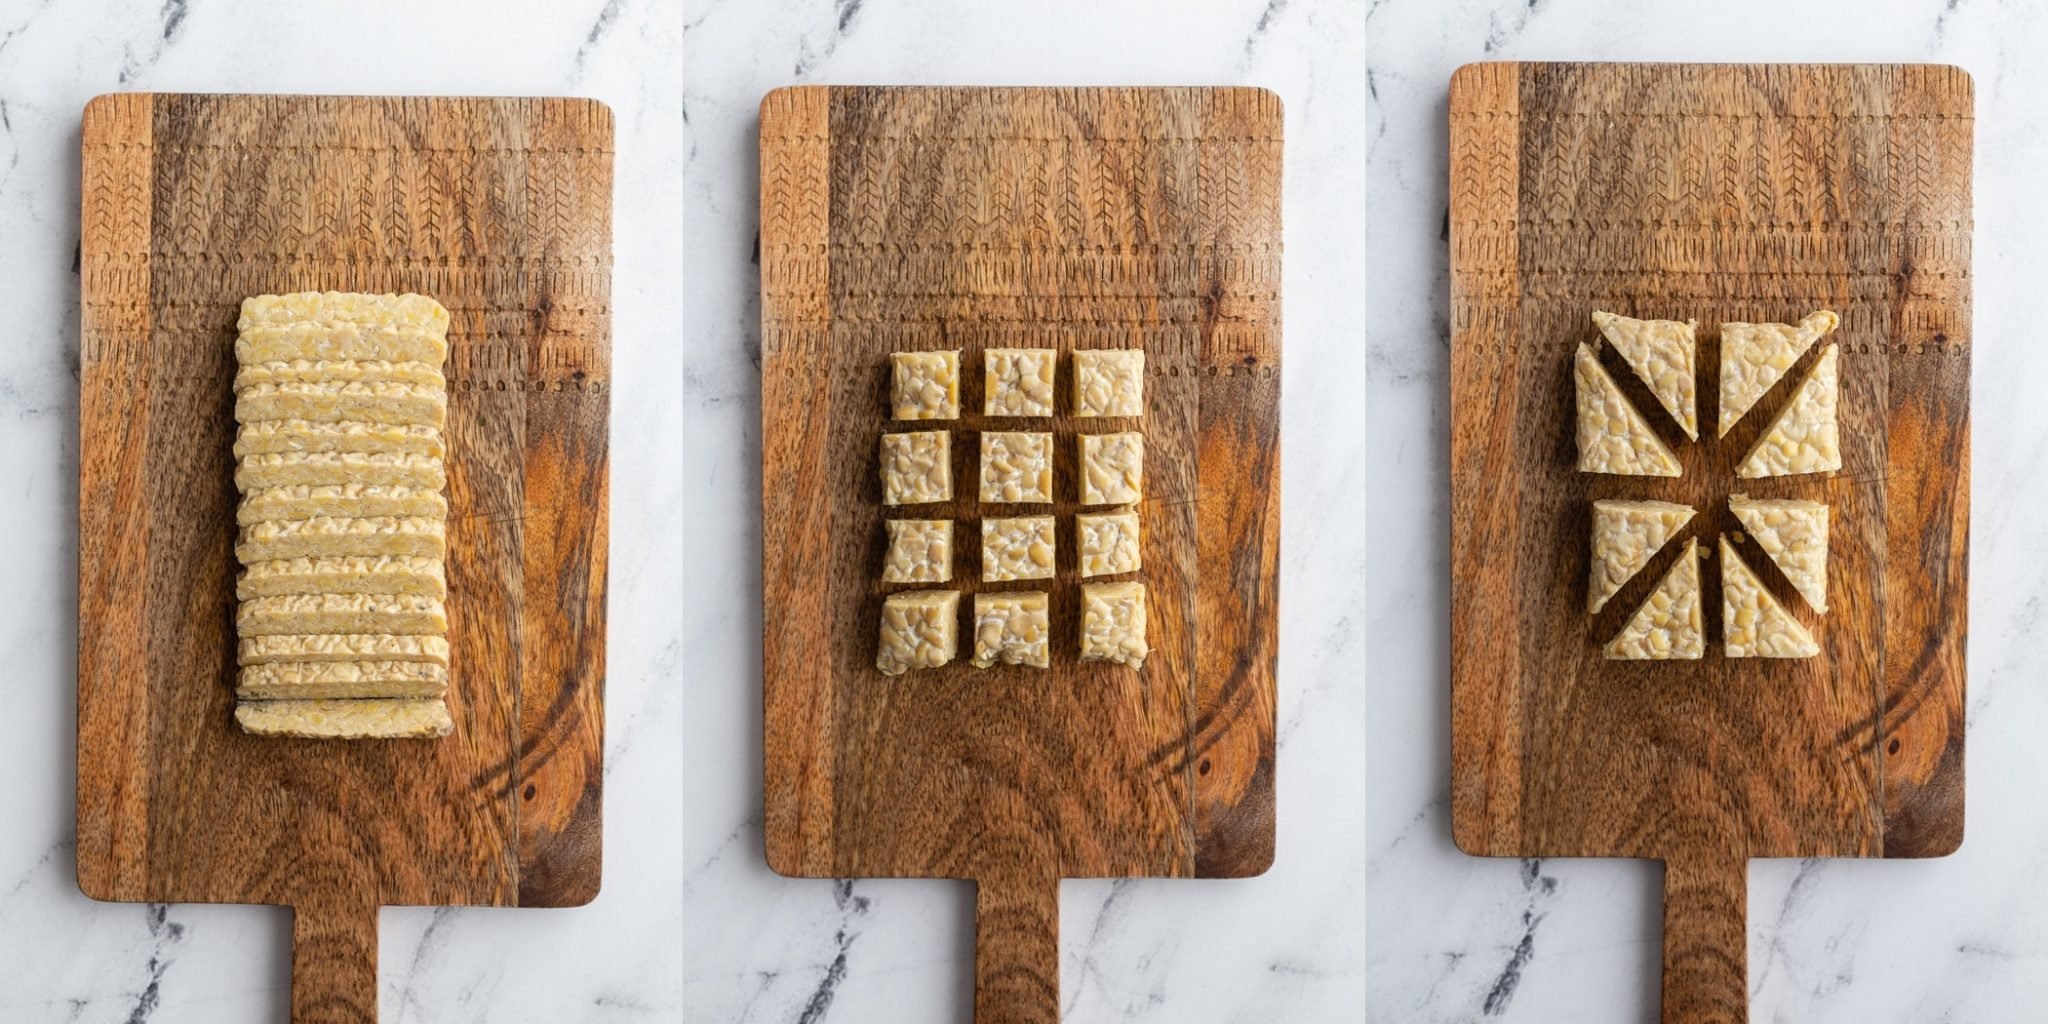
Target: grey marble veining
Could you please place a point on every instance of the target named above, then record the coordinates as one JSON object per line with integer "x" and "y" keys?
{"x": 69, "y": 959}
{"x": 1285, "y": 947}
{"x": 1460, "y": 939}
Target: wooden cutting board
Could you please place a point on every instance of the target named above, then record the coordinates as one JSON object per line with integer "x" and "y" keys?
{"x": 899, "y": 219}
{"x": 1731, "y": 192}
{"x": 499, "y": 208}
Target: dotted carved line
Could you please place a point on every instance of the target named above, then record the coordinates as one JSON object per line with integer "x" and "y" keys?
{"x": 299, "y": 257}
{"x": 922, "y": 139}
{"x": 271, "y": 147}
{"x": 1703, "y": 115}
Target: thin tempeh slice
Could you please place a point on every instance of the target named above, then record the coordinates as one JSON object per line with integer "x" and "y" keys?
{"x": 1753, "y": 623}
{"x": 353, "y": 575}
{"x": 1662, "y": 353}
{"x": 1755, "y": 356}
{"x": 1613, "y": 436}
{"x": 1626, "y": 535}
{"x": 306, "y": 614}
{"x": 332, "y": 536}
{"x": 268, "y": 437}
{"x": 395, "y": 403}
{"x": 307, "y": 501}
{"x": 409, "y": 311}
{"x": 262, "y": 650}
{"x": 1667, "y": 625}
{"x": 1795, "y": 534}
{"x": 323, "y": 371}
{"x": 346, "y": 719}
{"x": 316, "y": 680}
{"x": 1805, "y": 438}
{"x": 320, "y": 343}
{"x": 386, "y": 469}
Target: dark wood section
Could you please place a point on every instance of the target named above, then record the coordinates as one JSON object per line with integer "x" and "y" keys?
{"x": 501, "y": 209}
{"x": 902, "y": 219}
{"x": 1715, "y": 192}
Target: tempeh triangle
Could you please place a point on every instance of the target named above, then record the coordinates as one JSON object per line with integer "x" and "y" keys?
{"x": 1756, "y": 356}
{"x": 1663, "y": 353}
{"x": 1667, "y": 625}
{"x": 1805, "y": 438}
{"x": 1795, "y": 534}
{"x": 1626, "y": 534}
{"x": 1613, "y": 436}
{"x": 1753, "y": 623}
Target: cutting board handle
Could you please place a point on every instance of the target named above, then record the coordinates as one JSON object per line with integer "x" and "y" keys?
{"x": 1017, "y": 950}
{"x": 334, "y": 961}
{"x": 1706, "y": 939}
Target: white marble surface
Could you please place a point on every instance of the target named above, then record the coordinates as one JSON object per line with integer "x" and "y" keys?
{"x": 65, "y": 958}
{"x": 1285, "y": 947}
{"x": 1830, "y": 942}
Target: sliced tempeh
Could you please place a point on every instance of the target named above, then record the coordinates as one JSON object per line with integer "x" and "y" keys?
{"x": 1667, "y": 624}
{"x": 303, "y": 614}
{"x": 1613, "y": 436}
{"x": 267, "y": 437}
{"x": 1755, "y": 356}
{"x": 1664, "y": 354}
{"x": 261, "y": 650}
{"x": 1805, "y": 438}
{"x": 409, "y": 311}
{"x": 1753, "y": 623}
{"x": 306, "y": 501}
{"x": 1626, "y": 535}
{"x": 368, "y": 402}
{"x": 314, "y": 680}
{"x": 319, "y": 371}
{"x": 345, "y": 719}
{"x": 1795, "y": 534}
{"x": 322, "y": 343}
{"x": 350, "y": 575}
{"x": 386, "y": 469}
{"x": 328, "y": 535}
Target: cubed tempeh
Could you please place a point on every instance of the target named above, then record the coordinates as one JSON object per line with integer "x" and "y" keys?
{"x": 306, "y": 614}
{"x": 260, "y": 650}
{"x": 350, "y": 575}
{"x": 388, "y": 469}
{"x": 348, "y": 401}
{"x": 332, "y": 536}
{"x": 266, "y": 437}
{"x": 327, "y": 680}
{"x": 307, "y": 501}
{"x": 1113, "y": 623}
{"x": 327, "y": 371}
{"x": 346, "y": 719}
{"x": 408, "y": 311}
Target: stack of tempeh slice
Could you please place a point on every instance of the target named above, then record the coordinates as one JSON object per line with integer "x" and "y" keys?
{"x": 343, "y": 629}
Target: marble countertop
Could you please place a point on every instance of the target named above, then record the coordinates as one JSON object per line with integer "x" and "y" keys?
{"x": 1288, "y": 946}
{"x": 66, "y": 958}
{"x": 1455, "y": 938}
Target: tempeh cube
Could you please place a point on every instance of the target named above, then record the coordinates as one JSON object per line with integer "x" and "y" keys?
{"x": 1017, "y": 549}
{"x": 917, "y": 468}
{"x": 1018, "y": 381}
{"x": 924, "y": 385}
{"x": 1013, "y": 627}
{"x": 1016, "y": 467}
{"x": 920, "y": 629}
{"x": 920, "y": 551}
{"x": 1113, "y": 623}
{"x": 1109, "y": 382}
{"x": 1112, "y": 468}
{"x": 1107, "y": 542}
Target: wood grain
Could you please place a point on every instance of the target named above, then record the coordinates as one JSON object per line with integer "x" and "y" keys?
{"x": 1715, "y": 192}
{"x": 501, "y": 210}
{"x": 904, "y": 219}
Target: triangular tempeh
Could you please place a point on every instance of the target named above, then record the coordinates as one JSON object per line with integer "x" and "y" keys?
{"x": 1755, "y": 356}
{"x": 1753, "y": 623}
{"x": 1613, "y": 436}
{"x": 1667, "y": 624}
{"x": 1795, "y": 534}
{"x": 1626, "y": 534}
{"x": 1805, "y": 438}
{"x": 1663, "y": 353}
